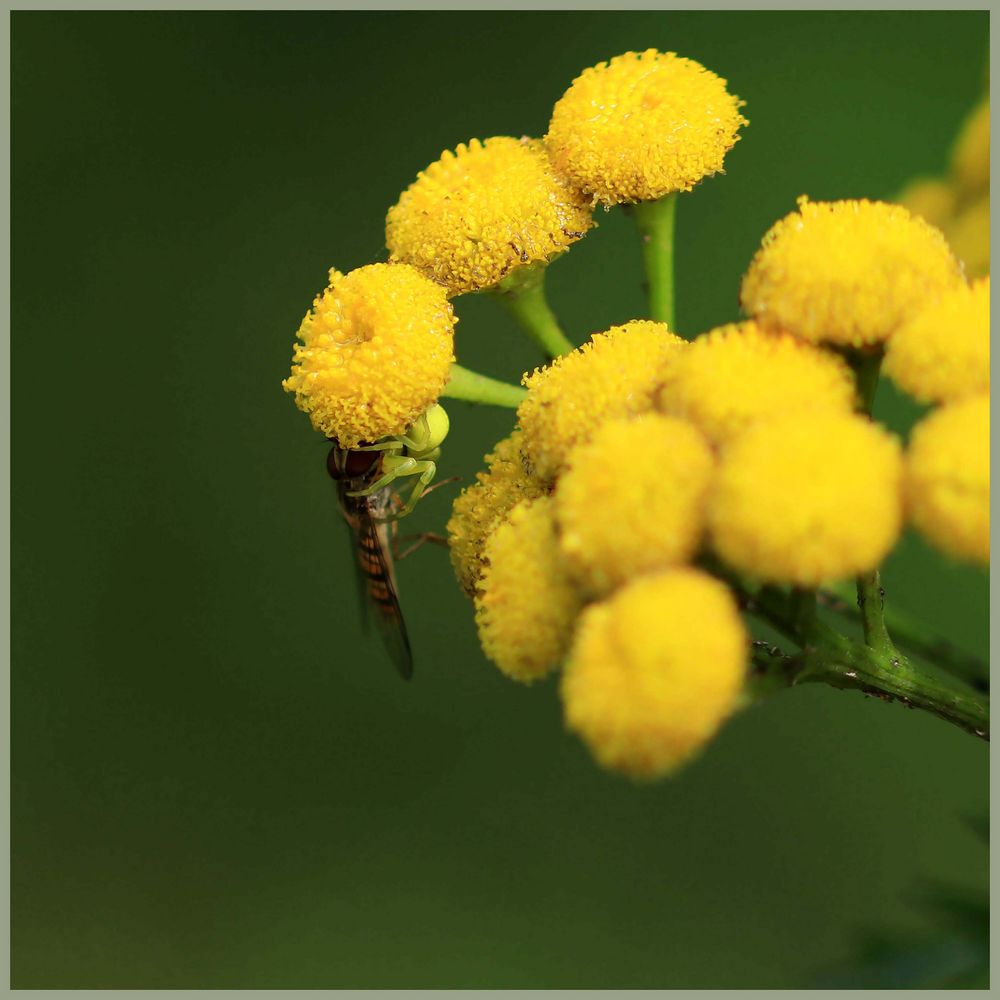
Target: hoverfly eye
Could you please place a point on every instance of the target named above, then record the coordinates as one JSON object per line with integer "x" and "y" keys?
{"x": 344, "y": 464}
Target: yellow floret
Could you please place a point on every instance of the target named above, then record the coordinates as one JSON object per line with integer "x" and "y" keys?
{"x": 376, "y": 350}
{"x": 615, "y": 374}
{"x": 948, "y": 478}
{"x": 846, "y": 272}
{"x": 969, "y": 235}
{"x": 526, "y": 604}
{"x": 654, "y": 672}
{"x": 970, "y": 158}
{"x": 644, "y": 125}
{"x": 807, "y": 498}
{"x": 738, "y": 374}
{"x": 479, "y": 213}
{"x": 481, "y": 507}
{"x": 620, "y": 516}
{"x": 943, "y": 352}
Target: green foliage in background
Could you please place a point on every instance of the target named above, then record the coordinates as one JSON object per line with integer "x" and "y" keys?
{"x": 218, "y": 781}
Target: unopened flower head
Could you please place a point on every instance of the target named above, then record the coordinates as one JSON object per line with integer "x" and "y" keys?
{"x": 644, "y": 125}
{"x": 847, "y": 272}
{"x": 736, "y": 375}
{"x": 970, "y": 158}
{"x": 948, "y": 478}
{"x": 482, "y": 211}
{"x": 621, "y": 518}
{"x": 615, "y": 374}
{"x": 943, "y": 352}
{"x": 807, "y": 498}
{"x": 526, "y": 605}
{"x": 480, "y": 508}
{"x": 654, "y": 671}
{"x": 376, "y": 350}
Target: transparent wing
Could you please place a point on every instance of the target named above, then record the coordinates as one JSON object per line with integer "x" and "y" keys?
{"x": 376, "y": 581}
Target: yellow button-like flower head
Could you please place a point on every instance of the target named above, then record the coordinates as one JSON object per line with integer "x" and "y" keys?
{"x": 619, "y": 517}
{"x": 846, "y": 272}
{"x": 644, "y": 125}
{"x": 615, "y": 374}
{"x": 376, "y": 351}
{"x": 480, "y": 508}
{"x": 477, "y": 214}
{"x": 948, "y": 478}
{"x": 806, "y": 498}
{"x": 526, "y": 604}
{"x": 736, "y": 375}
{"x": 943, "y": 352}
{"x": 654, "y": 671}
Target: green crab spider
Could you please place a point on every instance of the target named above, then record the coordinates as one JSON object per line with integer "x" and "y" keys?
{"x": 412, "y": 453}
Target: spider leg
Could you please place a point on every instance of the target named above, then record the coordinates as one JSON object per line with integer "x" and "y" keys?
{"x": 424, "y": 470}
{"x": 395, "y": 466}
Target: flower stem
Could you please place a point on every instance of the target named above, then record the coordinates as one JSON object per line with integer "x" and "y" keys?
{"x": 830, "y": 658}
{"x": 471, "y": 387}
{"x": 913, "y": 636}
{"x": 871, "y": 604}
{"x": 867, "y": 365}
{"x": 851, "y": 665}
{"x": 523, "y": 293}
{"x": 655, "y": 220}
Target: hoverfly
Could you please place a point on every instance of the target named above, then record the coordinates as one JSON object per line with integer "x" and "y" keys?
{"x": 369, "y": 506}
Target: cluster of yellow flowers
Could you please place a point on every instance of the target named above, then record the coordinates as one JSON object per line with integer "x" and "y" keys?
{"x": 959, "y": 202}
{"x": 640, "y": 450}
{"x": 647, "y": 472}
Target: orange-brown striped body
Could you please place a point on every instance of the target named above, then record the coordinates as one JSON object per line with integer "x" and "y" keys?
{"x": 365, "y": 518}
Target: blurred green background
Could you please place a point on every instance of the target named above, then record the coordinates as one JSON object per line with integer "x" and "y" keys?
{"x": 218, "y": 781}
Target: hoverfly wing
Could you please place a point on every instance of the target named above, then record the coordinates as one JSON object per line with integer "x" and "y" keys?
{"x": 376, "y": 580}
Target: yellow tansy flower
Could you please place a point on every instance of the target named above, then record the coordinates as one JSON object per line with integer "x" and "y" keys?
{"x": 948, "y": 478}
{"x": 847, "y": 272}
{"x": 807, "y": 498}
{"x": 618, "y": 519}
{"x": 481, "y": 507}
{"x": 738, "y": 374}
{"x": 526, "y": 605}
{"x": 482, "y": 211}
{"x": 644, "y": 125}
{"x": 615, "y": 374}
{"x": 654, "y": 671}
{"x": 376, "y": 351}
{"x": 970, "y": 158}
{"x": 943, "y": 352}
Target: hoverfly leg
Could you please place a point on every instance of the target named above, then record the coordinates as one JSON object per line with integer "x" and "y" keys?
{"x": 418, "y": 542}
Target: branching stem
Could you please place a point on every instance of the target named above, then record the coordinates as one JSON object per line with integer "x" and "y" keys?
{"x": 471, "y": 387}
{"x": 523, "y": 293}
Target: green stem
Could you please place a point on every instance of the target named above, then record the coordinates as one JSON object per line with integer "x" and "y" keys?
{"x": 871, "y": 604}
{"x": 867, "y": 366}
{"x": 853, "y": 666}
{"x": 472, "y": 387}
{"x": 655, "y": 220}
{"x": 830, "y": 658}
{"x": 913, "y": 636}
{"x": 523, "y": 293}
